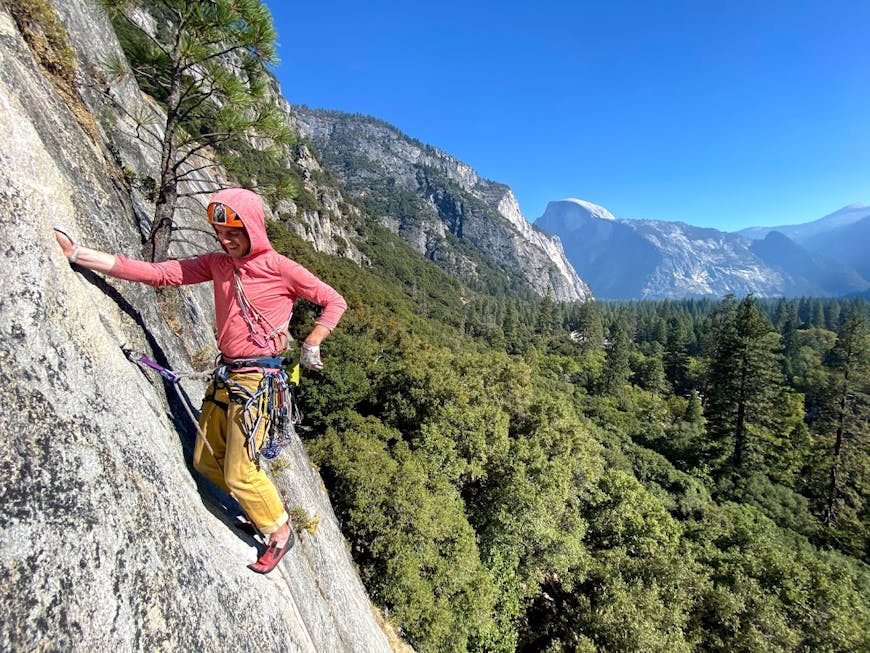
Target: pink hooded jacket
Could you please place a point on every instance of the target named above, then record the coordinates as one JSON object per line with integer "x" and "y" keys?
{"x": 271, "y": 282}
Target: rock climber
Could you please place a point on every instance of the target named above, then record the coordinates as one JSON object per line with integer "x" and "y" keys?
{"x": 255, "y": 288}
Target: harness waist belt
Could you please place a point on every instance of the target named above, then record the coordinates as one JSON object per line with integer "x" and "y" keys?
{"x": 272, "y": 363}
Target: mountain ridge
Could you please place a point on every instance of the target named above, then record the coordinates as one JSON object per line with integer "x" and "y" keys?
{"x": 441, "y": 206}
{"x": 438, "y": 204}
{"x": 804, "y": 231}
{"x": 656, "y": 259}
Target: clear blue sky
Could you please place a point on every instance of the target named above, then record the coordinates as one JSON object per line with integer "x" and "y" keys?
{"x": 725, "y": 114}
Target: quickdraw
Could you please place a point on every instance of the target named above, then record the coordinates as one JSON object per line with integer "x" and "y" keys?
{"x": 272, "y": 401}
{"x": 165, "y": 372}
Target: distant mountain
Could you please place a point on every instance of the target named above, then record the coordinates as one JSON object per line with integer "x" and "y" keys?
{"x": 473, "y": 228}
{"x": 849, "y": 244}
{"x": 611, "y": 256}
{"x": 650, "y": 259}
{"x": 842, "y": 236}
{"x": 805, "y": 233}
{"x": 808, "y": 273}
{"x": 469, "y": 226}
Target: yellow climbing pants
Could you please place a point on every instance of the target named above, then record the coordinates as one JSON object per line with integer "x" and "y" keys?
{"x": 228, "y": 461}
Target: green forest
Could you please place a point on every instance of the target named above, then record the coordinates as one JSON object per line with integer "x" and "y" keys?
{"x": 523, "y": 475}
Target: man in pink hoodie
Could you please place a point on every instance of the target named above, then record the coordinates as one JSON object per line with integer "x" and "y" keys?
{"x": 254, "y": 291}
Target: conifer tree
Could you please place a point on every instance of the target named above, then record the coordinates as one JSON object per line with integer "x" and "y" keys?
{"x": 832, "y": 314}
{"x": 817, "y": 317}
{"x": 784, "y": 308}
{"x": 676, "y": 359}
{"x": 204, "y": 62}
{"x": 788, "y": 331}
{"x": 587, "y": 322}
{"x": 847, "y": 490}
{"x": 617, "y": 361}
{"x": 512, "y": 331}
{"x": 545, "y": 320}
{"x": 743, "y": 383}
{"x": 804, "y": 311}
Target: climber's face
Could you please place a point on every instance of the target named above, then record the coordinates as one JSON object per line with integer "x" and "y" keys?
{"x": 234, "y": 240}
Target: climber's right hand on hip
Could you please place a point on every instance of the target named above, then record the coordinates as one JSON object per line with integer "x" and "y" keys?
{"x": 309, "y": 357}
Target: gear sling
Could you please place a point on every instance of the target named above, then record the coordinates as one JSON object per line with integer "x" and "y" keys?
{"x": 272, "y": 401}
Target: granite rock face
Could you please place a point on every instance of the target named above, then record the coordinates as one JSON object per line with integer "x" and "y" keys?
{"x": 437, "y": 204}
{"x": 327, "y": 223}
{"x": 109, "y": 540}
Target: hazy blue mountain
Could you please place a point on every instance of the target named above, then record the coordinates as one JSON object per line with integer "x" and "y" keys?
{"x": 849, "y": 244}
{"x": 809, "y": 273}
{"x": 652, "y": 259}
{"x": 594, "y": 241}
{"x": 842, "y": 236}
{"x": 805, "y": 233}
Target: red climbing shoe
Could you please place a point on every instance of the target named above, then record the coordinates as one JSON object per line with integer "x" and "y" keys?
{"x": 272, "y": 556}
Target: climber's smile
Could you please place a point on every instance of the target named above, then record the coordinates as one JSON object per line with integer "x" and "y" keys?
{"x": 234, "y": 240}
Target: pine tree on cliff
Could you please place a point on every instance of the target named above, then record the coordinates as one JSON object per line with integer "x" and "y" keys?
{"x": 204, "y": 62}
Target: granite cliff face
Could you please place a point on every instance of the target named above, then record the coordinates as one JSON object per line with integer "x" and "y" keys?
{"x": 652, "y": 259}
{"x": 109, "y": 540}
{"x": 437, "y": 204}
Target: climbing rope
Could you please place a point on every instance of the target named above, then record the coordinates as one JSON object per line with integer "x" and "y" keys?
{"x": 261, "y": 331}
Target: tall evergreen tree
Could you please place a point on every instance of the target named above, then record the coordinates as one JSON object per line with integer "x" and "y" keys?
{"x": 514, "y": 338}
{"x": 832, "y": 314}
{"x": 788, "y": 332}
{"x": 784, "y": 308}
{"x": 743, "y": 383}
{"x": 545, "y": 320}
{"x": 846, "y": 428}
{"x": 676, "y": 358}
{"x": 589, "y": 327}
{"x": 617, "y": 361}
{"x": 804, "y": 311}
{"x": 817, "y": 316}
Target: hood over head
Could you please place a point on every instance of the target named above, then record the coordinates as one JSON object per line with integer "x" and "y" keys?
{"x": 249, "y": 207}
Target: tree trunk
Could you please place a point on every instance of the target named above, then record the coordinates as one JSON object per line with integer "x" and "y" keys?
{"x": 739, "y": 436}
{"x": 157, "y": 247}
{"x": 740, "y": 425}
{"x": 833, "y": 481}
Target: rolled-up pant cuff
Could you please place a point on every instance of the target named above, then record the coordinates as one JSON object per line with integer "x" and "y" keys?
{"x": 268, "y": 530}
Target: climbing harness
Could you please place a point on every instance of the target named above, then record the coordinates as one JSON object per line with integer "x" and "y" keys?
{"x": 273, "y": 398}
{"x": 272, "y": 401}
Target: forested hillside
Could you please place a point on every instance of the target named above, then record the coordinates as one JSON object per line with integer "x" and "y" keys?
{"x": 524, "y": 475}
